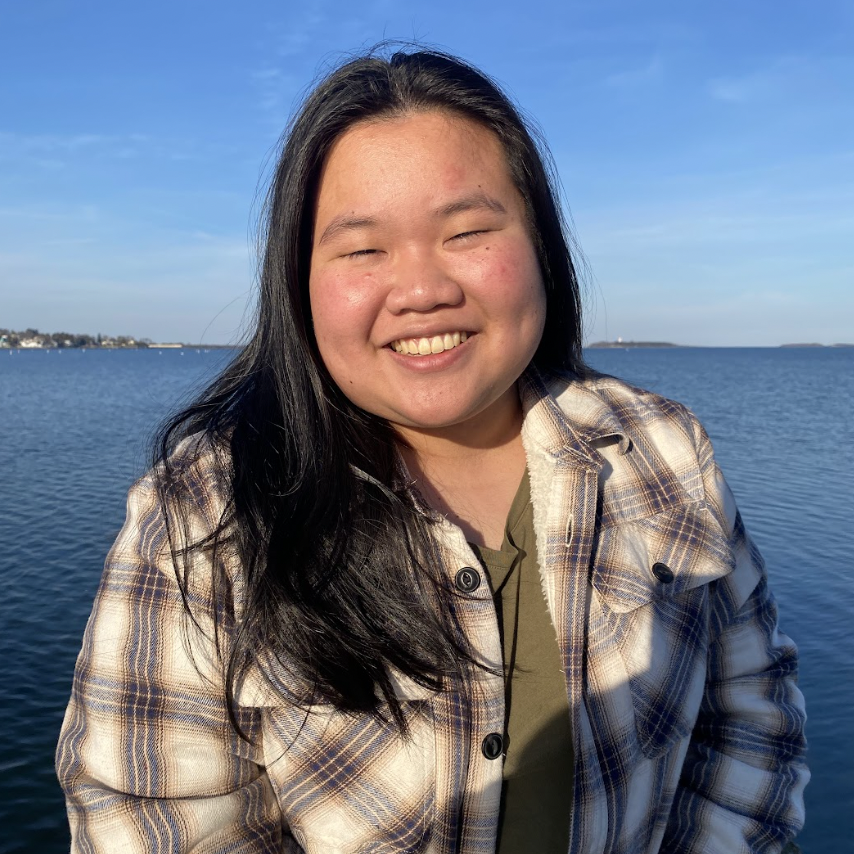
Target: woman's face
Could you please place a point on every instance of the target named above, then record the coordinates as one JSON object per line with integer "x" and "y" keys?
{"x": 421, "y": 243}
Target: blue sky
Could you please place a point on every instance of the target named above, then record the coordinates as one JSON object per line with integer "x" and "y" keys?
{"x": 706, "y": 152}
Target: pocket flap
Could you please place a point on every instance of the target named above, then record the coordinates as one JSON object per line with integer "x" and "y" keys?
{"x": 660, "y": 557}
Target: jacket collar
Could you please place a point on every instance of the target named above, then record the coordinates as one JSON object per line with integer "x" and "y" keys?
{"x": 565, "y": 417}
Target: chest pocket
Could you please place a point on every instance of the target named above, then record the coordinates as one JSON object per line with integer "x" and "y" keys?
{"x": 653, "y": 579}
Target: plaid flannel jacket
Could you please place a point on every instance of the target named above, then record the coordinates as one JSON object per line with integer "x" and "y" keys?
{"x": 687, "y": 723}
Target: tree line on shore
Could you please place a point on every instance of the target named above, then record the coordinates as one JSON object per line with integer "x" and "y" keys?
{"x": 64, "y": 340}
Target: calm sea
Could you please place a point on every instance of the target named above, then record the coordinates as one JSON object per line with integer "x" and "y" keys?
{"x": 74, "y": 426}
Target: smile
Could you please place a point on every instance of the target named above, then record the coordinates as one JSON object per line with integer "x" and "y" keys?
{"x": 428, "y": 346}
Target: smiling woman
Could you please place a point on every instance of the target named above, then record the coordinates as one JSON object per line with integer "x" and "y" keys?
{"x": 439, "y": 247}
{"x": 443, "y": 248}
{"x": 408, "y": 576}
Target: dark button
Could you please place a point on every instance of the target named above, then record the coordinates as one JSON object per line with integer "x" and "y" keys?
{"x": 467, "y": 580}
{"x": 492, "y": 746}
{"x": 662, "y": 572}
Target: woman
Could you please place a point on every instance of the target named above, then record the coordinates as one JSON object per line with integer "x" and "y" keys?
{"x": 408, "y": 576}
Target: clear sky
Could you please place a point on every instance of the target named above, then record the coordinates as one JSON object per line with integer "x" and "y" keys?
{"x": 706, "y": 151}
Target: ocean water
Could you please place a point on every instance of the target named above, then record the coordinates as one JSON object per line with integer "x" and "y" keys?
{"x": 74, "y": 427}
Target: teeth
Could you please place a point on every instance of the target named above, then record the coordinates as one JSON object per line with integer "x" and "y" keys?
{"x": 427, "y": 346}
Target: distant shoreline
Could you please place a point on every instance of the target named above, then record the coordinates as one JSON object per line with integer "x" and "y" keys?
{"x": 632, "y": 345}
{"x": 826, "y": 346}
{"x": 32, "y": 339}
{"x": 624, "y": 345}
{"x": 19, "y": 347}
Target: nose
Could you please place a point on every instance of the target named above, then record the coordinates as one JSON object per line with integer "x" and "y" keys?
{"x": 421, "y": 284}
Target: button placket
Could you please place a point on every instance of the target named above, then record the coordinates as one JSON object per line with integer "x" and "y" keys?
{"x": 492, "y": 746}
{"x": 662, "y": 572}
{"x": 467, "y": 580}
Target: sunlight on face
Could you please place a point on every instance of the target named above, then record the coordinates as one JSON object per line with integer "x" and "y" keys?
{"x": 425, "y": 287}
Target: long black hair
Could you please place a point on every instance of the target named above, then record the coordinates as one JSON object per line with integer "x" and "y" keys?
{"x": 335, "y": 588}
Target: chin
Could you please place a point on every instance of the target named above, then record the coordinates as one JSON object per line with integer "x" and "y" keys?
{"x": 434, "y": 418}
{"x": 422, "y": 422}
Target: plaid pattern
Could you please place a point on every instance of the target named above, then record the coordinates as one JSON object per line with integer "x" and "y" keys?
{"x": 687, "y": 722}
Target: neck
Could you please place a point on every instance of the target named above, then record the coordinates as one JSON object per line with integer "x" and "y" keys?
{"x": 496, "y": 427}
{"x": 470, "y": 475}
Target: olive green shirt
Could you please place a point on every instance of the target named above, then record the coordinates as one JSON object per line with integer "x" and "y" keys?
{"x": 536, "y": 797}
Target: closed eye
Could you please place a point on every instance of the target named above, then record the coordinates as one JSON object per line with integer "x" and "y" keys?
{"x": 360, "y": 253}
{"x": 468, "y": 235}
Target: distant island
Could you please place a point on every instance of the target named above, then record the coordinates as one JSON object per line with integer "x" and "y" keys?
{"x": 817, "y": 345}
{"x": 620, "y": 344}
{"x": 32, "y": 339}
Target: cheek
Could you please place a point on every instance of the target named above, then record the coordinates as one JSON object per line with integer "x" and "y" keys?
{"x": 509, "y": 278}
{"x": 341, "y": 306}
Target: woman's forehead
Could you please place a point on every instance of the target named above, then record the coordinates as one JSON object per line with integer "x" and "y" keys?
{"x": 442, "y": 158}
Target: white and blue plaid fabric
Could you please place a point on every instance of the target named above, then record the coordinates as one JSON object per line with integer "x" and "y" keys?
{"x": 687, "y": 722}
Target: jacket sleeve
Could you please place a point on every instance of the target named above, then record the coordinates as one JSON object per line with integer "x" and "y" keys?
{"x": 741, "y": 788}
{"x": 147, "y": 756}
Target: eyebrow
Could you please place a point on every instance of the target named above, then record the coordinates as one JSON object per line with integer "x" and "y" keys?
{"x": 471, "y": 202}
{"x": 345, "y": 223}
